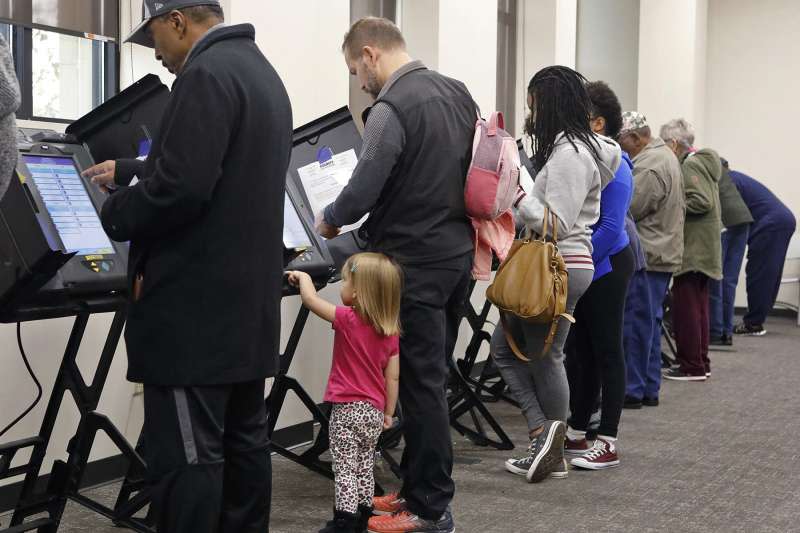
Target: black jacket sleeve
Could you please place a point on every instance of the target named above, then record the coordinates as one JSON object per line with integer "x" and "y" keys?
{"x": 126, "y": 169}
{"x": 179, "y": 184}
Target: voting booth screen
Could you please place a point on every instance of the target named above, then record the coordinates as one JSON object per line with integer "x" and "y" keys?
{"x": 323, "y": 158}
{"x": 295, "y": 236}
{"x": 67, "y": 201}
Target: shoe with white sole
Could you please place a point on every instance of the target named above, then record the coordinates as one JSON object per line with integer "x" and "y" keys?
{"x": 602, "y": 455}
{"x": 675, "y": 374}
{"x": 561, "y": 471}
{"x": 545, "y": 454}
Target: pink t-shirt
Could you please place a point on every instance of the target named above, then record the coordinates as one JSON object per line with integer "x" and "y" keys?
{"x": 360, "y": 356}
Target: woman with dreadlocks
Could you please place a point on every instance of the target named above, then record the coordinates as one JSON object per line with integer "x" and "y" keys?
{"x": 574, "y": 165}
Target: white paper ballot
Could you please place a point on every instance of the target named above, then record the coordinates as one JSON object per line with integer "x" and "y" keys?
{"x": 525, "y": 179}
{"x": 324, "y": 181}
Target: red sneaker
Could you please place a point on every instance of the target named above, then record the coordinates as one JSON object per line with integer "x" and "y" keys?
{"x": 388, "y": 504}
{"x": 602, "y": 455}
{"x": 576, "y": 447}
{"x": 405, "y": 522}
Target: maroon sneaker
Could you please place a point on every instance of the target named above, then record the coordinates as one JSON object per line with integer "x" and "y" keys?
{"x": 576, "y": 447}
{"x": 602, "y": 455}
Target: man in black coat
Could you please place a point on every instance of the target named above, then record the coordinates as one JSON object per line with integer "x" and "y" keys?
{"x": 205, "y": 223}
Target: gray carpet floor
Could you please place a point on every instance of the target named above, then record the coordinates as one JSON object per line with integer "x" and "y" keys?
{"x": 715, "y": 456}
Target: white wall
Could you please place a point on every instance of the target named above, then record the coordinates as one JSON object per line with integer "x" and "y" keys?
{"x": 753, "y": 82}
{"x": 671, "y": 62}
{"x": 546, "y": 35}
{"x": 303, "y": 39}
{"x": 608, "y": 45}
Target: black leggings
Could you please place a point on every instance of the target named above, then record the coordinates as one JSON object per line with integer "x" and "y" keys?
{"x": 595, "y": 354}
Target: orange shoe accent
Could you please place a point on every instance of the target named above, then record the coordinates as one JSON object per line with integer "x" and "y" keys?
{"x": 388, "y": 504}
{"x": 400, "y": 522}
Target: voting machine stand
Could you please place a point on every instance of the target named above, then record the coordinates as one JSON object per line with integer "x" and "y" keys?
{"x": 65, "y": 478}
{"x": 486, "y": 381}
{"x": 40, "y": 281}
{"x": 57, "y": 262}
{"x": 465, "y": 396}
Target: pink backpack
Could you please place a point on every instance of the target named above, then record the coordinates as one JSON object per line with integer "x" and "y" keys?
{"x": 493, "y": 176}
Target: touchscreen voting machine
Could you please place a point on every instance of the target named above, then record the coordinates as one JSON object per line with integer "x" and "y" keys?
{"x": 324, "y": 154}
{"x": 303, "y": 249}
{"x": 51, "y": 238}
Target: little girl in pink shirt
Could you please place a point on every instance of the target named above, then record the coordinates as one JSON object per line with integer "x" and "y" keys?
{"x": 364, "y": 378}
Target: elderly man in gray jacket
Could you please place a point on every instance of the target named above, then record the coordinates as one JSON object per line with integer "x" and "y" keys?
{"x": 658, "y": 208}
{"x": 9, "y": 102}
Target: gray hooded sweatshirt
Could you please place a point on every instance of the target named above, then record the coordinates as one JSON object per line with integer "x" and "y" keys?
{"x": 9, "y": 102}
{"x": 569, "y": 185}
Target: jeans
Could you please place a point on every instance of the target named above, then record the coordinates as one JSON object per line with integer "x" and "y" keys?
{"x": 644, "y": 311}
{"x": 722, "y": 294}
{"x": 766, "y": 255}
{"x": 540, "y": 385}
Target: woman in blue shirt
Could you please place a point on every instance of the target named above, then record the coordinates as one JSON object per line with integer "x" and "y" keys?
{"x": 595, "y": 356}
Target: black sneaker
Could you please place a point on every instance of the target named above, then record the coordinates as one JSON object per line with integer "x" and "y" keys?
{"x": 750, "y": 330}
{"x": 632, "y": 403}
{"x": 561, "y": 471}
{"x": 650, "y": 402}
{"x": 675, "y": 374}
{"x": 545, "y": 453}
{"x": 724, "y": 340}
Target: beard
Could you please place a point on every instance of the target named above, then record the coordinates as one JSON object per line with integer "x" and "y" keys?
{"x": 372, "y": 87}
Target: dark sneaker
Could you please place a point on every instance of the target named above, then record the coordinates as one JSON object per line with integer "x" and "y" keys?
{"x": 576, "y": 447}
{"x": 724, "y": 340}
{"x": 388, "y": 504}
{"x": 406, "y": 522}
{"x": 342, "y": 522}
{"x": 632, "y": 403}
{"x": 561, "y": 471}
{"x": 675, "y": 374}
{"x": 750, "y": 330}
{"x": 650, "y": 402}
{"x": 545, "y": 453}
{"x": 602, "y": 455}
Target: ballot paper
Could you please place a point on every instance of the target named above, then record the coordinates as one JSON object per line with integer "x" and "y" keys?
{"x": 525, "y": 179}
{"x": 324, "y": 181}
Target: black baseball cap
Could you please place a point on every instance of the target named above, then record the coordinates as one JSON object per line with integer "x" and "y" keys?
{"x": 156, "y": 8}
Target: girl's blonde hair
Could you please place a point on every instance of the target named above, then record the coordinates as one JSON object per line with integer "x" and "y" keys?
{"x": 378, "y": 282}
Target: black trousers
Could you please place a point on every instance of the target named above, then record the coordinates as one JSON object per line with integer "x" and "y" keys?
{"x": 431, "y": 310}
{"x": 595, "y": 353}
{"x": 208, "y": 458}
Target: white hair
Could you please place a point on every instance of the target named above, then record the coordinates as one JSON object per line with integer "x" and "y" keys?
{"x": 678, "y": 130}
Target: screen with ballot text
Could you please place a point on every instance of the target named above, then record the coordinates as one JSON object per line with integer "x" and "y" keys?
{"x": 295, "y": 236}
{"x": 67, "y": 201}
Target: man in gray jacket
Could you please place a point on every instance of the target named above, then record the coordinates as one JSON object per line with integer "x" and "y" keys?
{"x": 658, "y": 208}
{"x": 9, "y": 102}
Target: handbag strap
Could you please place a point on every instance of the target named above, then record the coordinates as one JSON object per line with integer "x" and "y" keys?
{"x": 548, "y": 342}
{"x": 550, "y": 219}
{"x": 510, "y": 339}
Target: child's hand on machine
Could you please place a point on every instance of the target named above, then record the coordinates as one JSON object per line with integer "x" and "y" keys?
{"x": 388, "y": 422}
{"x": 296, "y": 277}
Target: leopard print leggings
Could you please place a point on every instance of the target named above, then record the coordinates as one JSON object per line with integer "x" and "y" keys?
{"x": 354, "y": 430}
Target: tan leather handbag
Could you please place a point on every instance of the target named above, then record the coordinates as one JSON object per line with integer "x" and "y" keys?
{"x": 531, "y": 284}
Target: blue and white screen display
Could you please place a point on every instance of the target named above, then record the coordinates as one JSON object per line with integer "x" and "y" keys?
{"x": 66, "y": 199}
